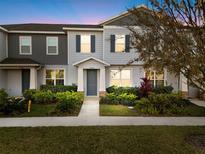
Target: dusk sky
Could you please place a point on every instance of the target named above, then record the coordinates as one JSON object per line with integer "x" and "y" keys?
{"x": 62, "y": 11}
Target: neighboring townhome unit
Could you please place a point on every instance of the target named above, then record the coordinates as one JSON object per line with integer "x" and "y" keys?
{"x": 93, "y": 57}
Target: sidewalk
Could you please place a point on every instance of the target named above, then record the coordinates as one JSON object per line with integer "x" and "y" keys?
{"x": 89, "y": 116}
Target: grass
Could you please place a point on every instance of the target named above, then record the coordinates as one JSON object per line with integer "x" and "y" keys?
{"x": 104, "y": 140}
{"x": 120, "y": 110}
{"x": 41, "y": 110}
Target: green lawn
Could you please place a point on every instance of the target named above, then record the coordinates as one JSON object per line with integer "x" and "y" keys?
{"x": 41, "y": 110}
{"x": 105, "y": 140}
{"x": 120, "y": 110}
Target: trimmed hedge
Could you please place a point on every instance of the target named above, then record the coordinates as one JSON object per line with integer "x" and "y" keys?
{"x": 44, "y": 97}
{"x": 58, "y": 88}
{"x": 121, "y": 90}
{"x": 124, "y": 99}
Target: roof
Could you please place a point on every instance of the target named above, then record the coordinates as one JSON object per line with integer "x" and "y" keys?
{"x": 91, "y": 58}
{"x": 122, "y": 14}
{"x": 19, "y": 62}
{"x": 45, "y": 27}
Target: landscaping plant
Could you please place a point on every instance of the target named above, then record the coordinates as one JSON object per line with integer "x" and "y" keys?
{"x": 44, "y": 97}
{"x": 162, "y": 104}
{"x": 145, "y": 88}
{"x": 69, "y": 102}
{"x": 58, "y": 88}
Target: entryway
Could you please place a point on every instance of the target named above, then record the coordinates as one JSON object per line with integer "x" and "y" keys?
{"x": 25, "y": 79}
{"x": 91, "y": 82}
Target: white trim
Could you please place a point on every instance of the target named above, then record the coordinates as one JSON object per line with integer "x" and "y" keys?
{"x": 83, "y": 29}
{"x": 68, "y": 45}
{"x": 36, "y": 32}
{"x": 30, "y": 40}
{"x": 5, "y": 30}
{"x": 7, "y": 54}
{"x": 89, "y": 58}
{"x": 13, "y": 65}
{"x": 52, "y": 68}
{"x": 48, "y": 37}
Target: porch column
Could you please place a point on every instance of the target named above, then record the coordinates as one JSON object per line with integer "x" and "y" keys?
{"x": 80, "y": 80}
{"x": 102, "y": 82}
{"x": 183, "y": 85}
{"x": 33, "y": 78}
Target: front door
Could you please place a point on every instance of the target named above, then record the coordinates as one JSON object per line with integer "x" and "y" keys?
{"x": 91, "y": 82}
{"x": 25, "y": 79}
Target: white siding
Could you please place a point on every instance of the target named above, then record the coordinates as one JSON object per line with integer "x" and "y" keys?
{"x": 14, "y": 83}
{"x": 3, "y": 55}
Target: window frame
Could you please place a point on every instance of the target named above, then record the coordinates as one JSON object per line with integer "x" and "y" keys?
{"x": 116, "y": 38}
{"x": 55, "y": 69}
{"x": 81, "y": 51}
{"x": 154, "y": 71}
{"x": 20, "y": 45}
{"x": 120, "y": 77}
{"x": 47, "y": 38}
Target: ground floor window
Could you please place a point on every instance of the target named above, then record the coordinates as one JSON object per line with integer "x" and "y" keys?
{"x": 55, "y": 77}
{"x": 120, "y": 78}
{"x": 156, "y": 77}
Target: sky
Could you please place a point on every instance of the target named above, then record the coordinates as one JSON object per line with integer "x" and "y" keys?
{"x": 62, "y": 11}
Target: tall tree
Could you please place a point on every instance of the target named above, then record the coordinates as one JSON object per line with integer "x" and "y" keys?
{"x": 172, "y": 36}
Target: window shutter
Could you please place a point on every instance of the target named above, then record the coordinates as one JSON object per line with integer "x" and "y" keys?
{"x": 127, "y": 43}
{"x": 112, "y": 43}
{"x": 92, "y": 43}
{"x": 77, "y": 43}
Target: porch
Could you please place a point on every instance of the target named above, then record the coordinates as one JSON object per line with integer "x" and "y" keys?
{"x": 18, "y": 75}
{"x": 91, "y": 76}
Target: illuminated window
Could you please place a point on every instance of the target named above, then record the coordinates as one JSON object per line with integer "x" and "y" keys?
{"x": 120, "y": 78}
{"x": 85, "y": 44}
{"x": 119, "y": 43}
{"x": 156, "y": 78}
{"x": 54, "y": 77}
{"x": 52, "y": 45}
{"x": 25, "y": 45}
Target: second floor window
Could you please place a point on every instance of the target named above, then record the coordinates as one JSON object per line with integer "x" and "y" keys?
{"x": 119, "y": 43}
{"x": 52, "y": 45}
{"x": 85, "y": 44}
{"x": 25, "y": 45}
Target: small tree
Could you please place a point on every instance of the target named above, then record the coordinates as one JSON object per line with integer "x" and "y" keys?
{"x": 145, "y": 88}
{"x": 172, "y": 36}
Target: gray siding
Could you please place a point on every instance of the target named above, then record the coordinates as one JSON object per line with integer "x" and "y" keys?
{"x": 39, "y": 49}
{"x": 112, "y": 57}
{"x": 3, "y": 54}
{"x": 77, "y": 56}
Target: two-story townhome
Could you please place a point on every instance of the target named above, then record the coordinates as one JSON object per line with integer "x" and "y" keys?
{"x": 91, "y": 56}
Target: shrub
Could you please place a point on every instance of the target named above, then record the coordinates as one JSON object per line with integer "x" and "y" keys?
{"x": 3, "y": 98}
{"x": 69, "y": 102}
{"x": 44, "y": 97}
{"x": 121, "y": 90}
{"x": 58, "y": 88}
{"x": 161, "y": 104}
{"x": 14, "y": 105}
{"x": 29, "y": 94}
{"x": 145, "y": 88}
{"x": 163, "y": 90}
{"x": 124, "y": 99}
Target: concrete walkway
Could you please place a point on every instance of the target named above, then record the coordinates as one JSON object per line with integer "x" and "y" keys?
{"x": 89, "y": 116}
{"x": 198, "y": 102}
